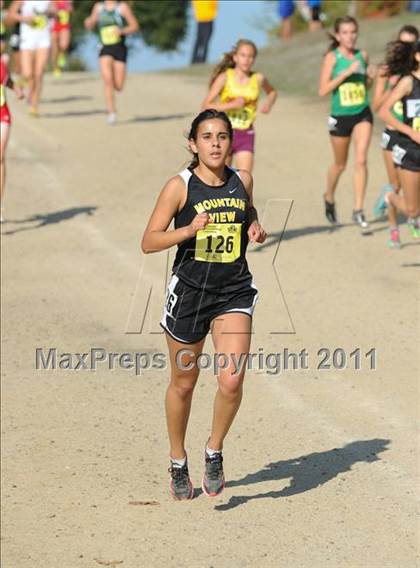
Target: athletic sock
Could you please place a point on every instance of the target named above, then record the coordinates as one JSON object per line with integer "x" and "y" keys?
{"x": 179, "y": 462}
{"x": 211, "y": 452}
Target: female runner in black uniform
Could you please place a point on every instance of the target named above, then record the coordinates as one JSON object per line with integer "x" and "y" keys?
{"x": 211, "y": 287}
{"x": 406, "y": 150}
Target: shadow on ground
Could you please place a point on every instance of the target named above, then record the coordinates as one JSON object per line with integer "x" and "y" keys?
{"x": 47, "y": 219}
{"x": 154, "y": 118}
{"x": 307, "y": 472}
{"x": 67, "y": 99}
{"x": 71, "y": 113}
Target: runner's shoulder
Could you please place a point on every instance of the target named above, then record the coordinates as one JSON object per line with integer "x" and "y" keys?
{"x": 246, "y": 179}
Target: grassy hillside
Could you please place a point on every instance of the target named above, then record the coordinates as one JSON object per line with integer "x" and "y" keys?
{"x": 294, "y": 68}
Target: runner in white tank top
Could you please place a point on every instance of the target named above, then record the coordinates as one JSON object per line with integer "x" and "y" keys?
{"x": 35, "y": 40}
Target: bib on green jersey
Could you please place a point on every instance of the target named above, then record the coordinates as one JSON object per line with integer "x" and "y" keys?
{"x": 350, "y": 97}
{"x": 109, "y": 22}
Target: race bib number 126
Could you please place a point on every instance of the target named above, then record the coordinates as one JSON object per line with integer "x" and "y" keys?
{"x": 218, "y": 242}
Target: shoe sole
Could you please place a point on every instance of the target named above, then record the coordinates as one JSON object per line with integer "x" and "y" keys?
{"x": 188, "y": 498}
{"x": 203, "y": 487}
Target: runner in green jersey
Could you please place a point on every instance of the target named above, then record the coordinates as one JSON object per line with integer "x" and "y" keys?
{"x": 114, "y": 20}
{"x": 347, "y": 76}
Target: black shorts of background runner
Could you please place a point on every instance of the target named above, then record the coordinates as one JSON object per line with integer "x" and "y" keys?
{"x": 343, "y": 125}
{"x": 406, "y": 154}
{"x": 389, "y": 139}
{"x": 117, "y": 52}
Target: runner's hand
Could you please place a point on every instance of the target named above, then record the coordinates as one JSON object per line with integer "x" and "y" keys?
{"x": 199, "y": 222}
{"x": 372, "y": 71}
{"x": 354, "y": 67}
{"x": 393, "y": 80}
{"x": 256, "y": 233}
{"x": 382, "y": 71}
{"x": 239, "y": 102}
{"x": 265, "y": 107}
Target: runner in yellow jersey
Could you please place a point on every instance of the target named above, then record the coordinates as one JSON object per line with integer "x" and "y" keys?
{"x": 235, "y": 89}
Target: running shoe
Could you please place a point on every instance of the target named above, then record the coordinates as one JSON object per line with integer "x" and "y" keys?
{"x": 330, "y": 212}
{"x": 57, "y": 73}
{"x": 180, "y": 485}
{"x": 380, "y": 204}
{"x": 62, "y": 60}
{"x": 414, "y": 227}
{"x": 359, "y": 218}
{"x": 111, "y": 118}
{"x": 213, "y": 481}
{"x": 394, "y": 239}
{"x": 33, "y": 111}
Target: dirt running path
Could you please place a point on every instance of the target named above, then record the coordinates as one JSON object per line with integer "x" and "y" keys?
{"x": 321, "y": 464}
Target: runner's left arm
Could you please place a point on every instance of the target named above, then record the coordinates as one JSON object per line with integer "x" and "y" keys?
{"x": 256, "y": 233}
{"x": 370, "y": 69}
{"x": 271, "y": 93}
{"x": 132, "y": 23}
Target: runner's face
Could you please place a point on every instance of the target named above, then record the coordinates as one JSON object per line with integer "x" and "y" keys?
{"x": 244, "y": 58}
{"x": 213, "y": 143}
{"x": 347, "y": 36}
{"x": 406, "y": 37}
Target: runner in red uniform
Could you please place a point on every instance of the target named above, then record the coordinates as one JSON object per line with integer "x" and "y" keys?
{"x": 61, "y": 35}
{"x": 5, "y": 120}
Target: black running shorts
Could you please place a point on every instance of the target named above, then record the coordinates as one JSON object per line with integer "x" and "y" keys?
{"x": 406, "y": 154}
{"x": 389, "y": 139}
{"x": 343, "y": 125}
{"x": 117, "y": 52}
{"x": 188, "y": 311}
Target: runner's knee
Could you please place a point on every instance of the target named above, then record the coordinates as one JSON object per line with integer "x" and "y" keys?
{"x": 230, "y": 385}
{"x": 340, "y": 166}
{"x": 360, "y": 162}
{"x": 183, "y": 389}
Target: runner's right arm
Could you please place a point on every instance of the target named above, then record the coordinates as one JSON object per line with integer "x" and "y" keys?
{"x": 156, "y": 237}
{"x": 92, "y": 20}
{"x": 13, "y": 16}
{"x": 326, "y": 84}
{"x": 214, "y": 92}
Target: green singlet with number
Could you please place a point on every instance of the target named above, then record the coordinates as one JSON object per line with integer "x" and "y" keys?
{"x": 350, "y": 97}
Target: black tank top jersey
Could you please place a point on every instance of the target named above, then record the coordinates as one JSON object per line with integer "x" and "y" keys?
{"x": 214, "y": 260}
{"x": 411, "y": 105}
